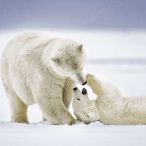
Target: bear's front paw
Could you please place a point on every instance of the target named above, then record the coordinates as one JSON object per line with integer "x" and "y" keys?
{"x": 90, "y": 78}
{"x": 71, "y": 121}
{"x": 87, "y": 122}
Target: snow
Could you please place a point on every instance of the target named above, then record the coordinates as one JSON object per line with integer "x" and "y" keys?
{"x": 129, "y": 78}
{"x": 43, "y": 134}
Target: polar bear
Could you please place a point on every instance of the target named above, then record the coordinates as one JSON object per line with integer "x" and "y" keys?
{"x": 42, "y": 70}
{"x": 84, "y": 108}
{"x": 108, "y": 109}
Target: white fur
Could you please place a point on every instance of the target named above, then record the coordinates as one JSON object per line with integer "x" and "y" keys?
{"x": 109, "y": 109}
{"x": 84, "y": 109}
{"x": 42, "y": 70}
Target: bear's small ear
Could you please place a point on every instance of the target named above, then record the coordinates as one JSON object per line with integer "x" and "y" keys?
{"x": 80, "y": 48}
{"x": 56, "y": 60}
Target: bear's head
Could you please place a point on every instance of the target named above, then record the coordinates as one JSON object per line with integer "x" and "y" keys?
{"x": 69, "y": 59}
{"x": 84, "y": 108}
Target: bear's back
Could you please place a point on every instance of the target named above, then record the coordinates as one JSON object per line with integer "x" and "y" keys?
{"x": 24, "y": 44}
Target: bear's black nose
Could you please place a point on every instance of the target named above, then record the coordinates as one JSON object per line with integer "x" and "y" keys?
{"x": 84, "y": 83}
{"x": 84, "y": 91}
{"x": 74, "y": 89}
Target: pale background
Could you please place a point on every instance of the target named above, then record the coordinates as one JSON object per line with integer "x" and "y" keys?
{"x": 113, "y": 34}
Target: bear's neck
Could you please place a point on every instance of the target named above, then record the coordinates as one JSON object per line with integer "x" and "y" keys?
{"x": 46, "y": 59}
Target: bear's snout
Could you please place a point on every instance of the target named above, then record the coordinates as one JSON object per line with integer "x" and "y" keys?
{"x": 84, "y": 91}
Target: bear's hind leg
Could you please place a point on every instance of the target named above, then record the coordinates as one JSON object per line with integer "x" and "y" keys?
{"x": 17, "y": 108}
{"x": 44, "y": 119}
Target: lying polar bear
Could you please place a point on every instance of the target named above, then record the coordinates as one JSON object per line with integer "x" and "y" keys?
{"x": 106, "y": 108}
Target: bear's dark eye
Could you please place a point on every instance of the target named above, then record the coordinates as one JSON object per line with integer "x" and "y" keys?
{"x": 78, "y": 98}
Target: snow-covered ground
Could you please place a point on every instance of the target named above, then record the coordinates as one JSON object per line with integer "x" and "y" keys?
{"x": 79, "y": 135}
{"x": 129, "y": 77}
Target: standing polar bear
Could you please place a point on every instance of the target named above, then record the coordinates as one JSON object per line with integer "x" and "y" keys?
{"x": 109, "y": 107}
{"x": 42, "y": 70}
